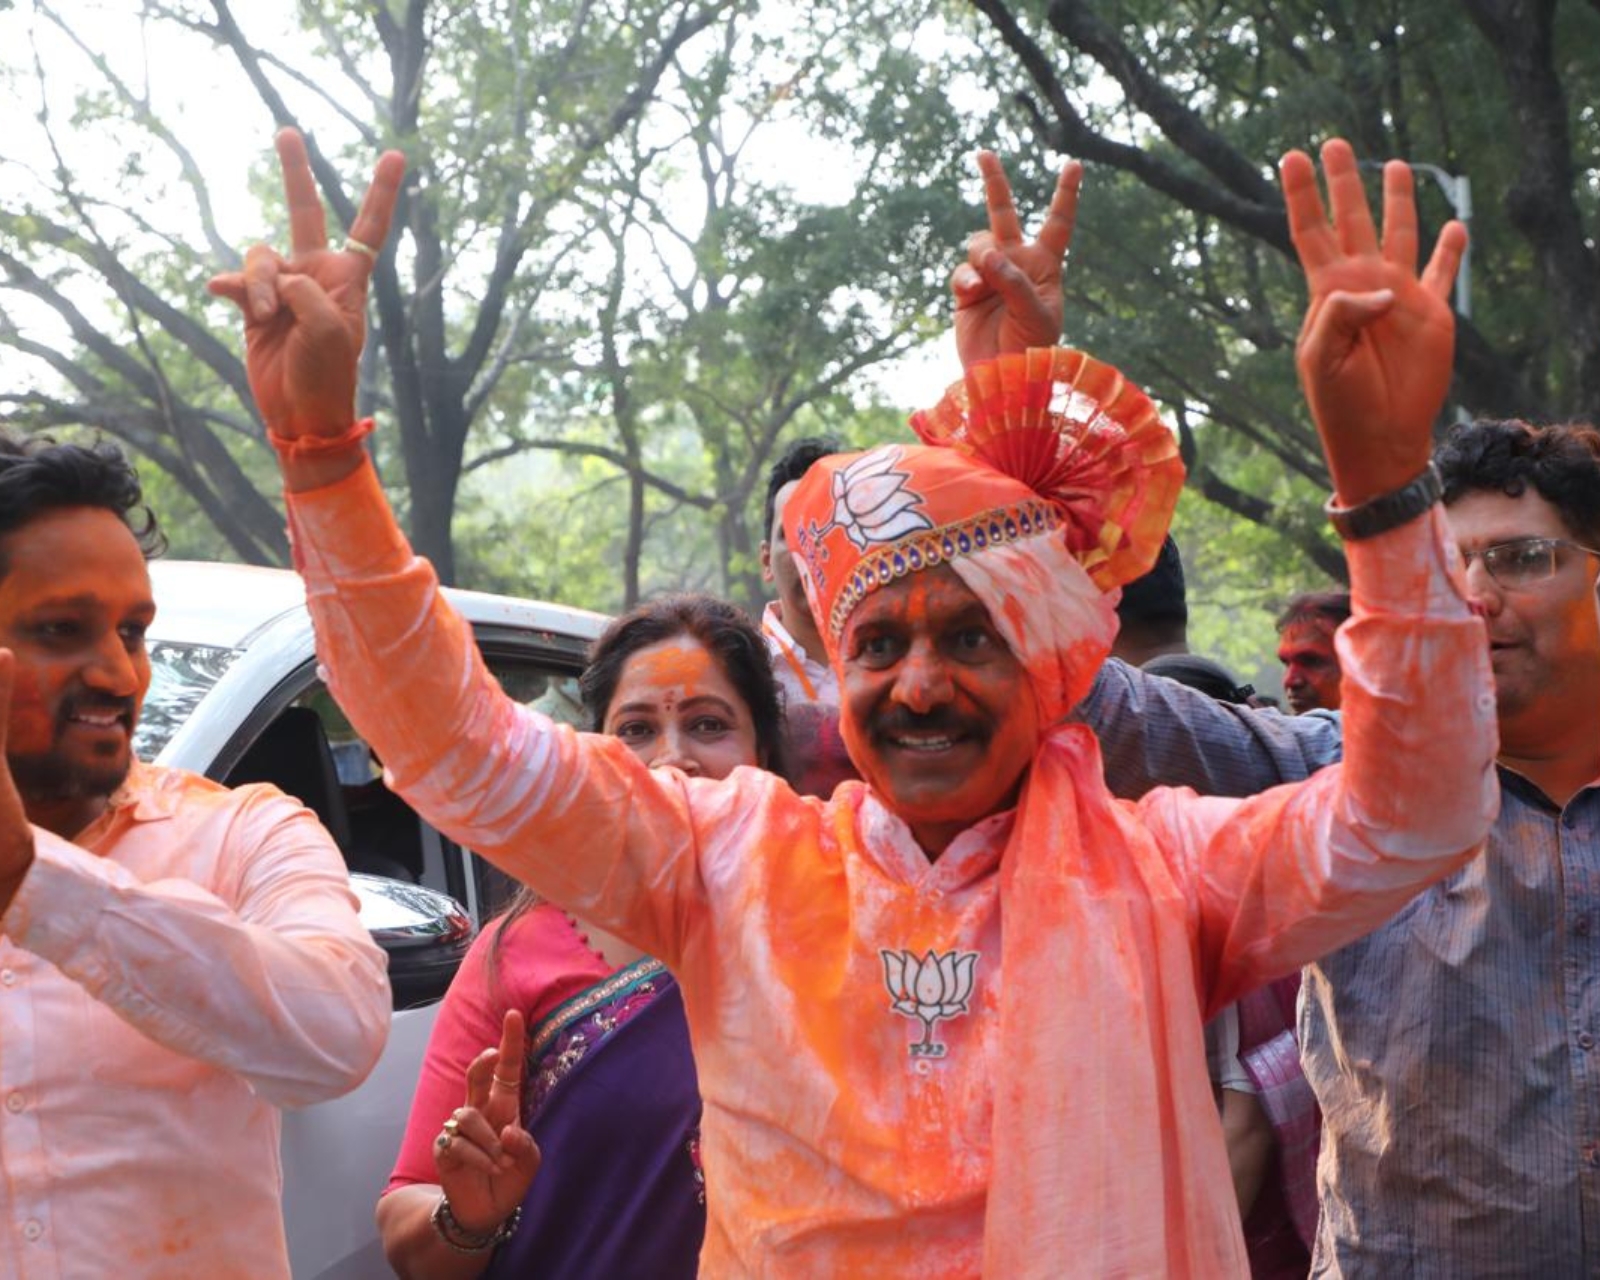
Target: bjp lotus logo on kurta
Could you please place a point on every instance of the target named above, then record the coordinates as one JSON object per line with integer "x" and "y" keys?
{"x": 931, "y": 989}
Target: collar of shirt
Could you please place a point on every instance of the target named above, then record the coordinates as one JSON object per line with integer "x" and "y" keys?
{"x": 811, "y": 676}
{"x": 972, "y": 855}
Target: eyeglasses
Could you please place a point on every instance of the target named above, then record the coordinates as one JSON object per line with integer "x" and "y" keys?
{"x": 1522, "y": 562}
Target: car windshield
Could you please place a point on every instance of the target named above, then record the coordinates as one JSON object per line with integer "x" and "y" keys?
{"x": 180, "y": 675}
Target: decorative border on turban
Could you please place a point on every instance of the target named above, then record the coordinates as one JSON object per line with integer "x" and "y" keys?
{"x": 1048, "y": 443}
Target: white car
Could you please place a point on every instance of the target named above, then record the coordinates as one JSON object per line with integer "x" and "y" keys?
{"x": 235, "y": 695}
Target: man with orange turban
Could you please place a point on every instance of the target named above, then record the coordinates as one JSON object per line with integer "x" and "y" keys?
{"x": 948, "y": 1021}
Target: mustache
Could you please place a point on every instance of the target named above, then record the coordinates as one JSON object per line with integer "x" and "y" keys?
{"x": 942, "y": 722}
{"x": 103, "y": 704}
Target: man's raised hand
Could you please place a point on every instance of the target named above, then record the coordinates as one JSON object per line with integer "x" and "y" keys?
{"x": 305, "y": 315}
{"x": 1008, "y": 292}
{"x": 1375, "y": 349}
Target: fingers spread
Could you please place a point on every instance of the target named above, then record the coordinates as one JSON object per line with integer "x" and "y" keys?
{"x": 1352, "y": 219}
{"x": 308, "y": 229}
{"x": 1446, "y": 261}
{"x": 1399, "y": 216}
{"x": 1055, "y": 235}
{"x": 1003, "y": 221}
{"x": 371, "y": 226}
{"x": 1308, "y": 220}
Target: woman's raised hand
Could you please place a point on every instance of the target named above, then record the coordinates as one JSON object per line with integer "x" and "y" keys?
{"x": 485, "y": 1159}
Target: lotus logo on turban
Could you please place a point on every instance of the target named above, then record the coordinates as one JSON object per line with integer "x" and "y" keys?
{"x": 930, "y": 989}
{"x": 871, "y": 503}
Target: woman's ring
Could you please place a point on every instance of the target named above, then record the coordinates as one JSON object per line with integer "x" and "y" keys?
{"x": 350, "y": 242}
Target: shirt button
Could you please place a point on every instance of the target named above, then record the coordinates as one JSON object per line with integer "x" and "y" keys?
{"x": 32, "y": 1229}
{"x": 1581, "y": 925}
{"x": 15, "y": 1103}
{"x": 1585, "y": 1041}
{"x": 1593, "y": 1157}
{"x": 8, "y": 977}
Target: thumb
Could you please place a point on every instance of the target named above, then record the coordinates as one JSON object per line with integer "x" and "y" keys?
{"x": 314, "y": 311}
{"x": 1333, "y": 327}
{"x": 968, "y": 286}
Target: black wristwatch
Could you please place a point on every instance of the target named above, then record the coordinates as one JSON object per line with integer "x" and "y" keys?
{"x": 1388, "y": 510}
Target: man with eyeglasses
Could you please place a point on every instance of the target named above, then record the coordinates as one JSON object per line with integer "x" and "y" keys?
{"x": 1456, "y": 1050}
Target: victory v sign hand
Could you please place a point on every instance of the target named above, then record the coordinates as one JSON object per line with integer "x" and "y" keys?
{"x": 305, "y": 315}
{"x": 1375, "y": 349}
{"x": 1008, "y": 292}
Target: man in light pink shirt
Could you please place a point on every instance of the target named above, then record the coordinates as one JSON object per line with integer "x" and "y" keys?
{"x": 177, "y": 960}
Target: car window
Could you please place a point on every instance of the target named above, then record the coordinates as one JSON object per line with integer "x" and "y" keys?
{"x": 180, "y": 675}
{"x": 311, "y": 750}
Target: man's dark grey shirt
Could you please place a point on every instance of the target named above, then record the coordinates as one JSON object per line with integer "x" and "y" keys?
{"x": 1456, "y": 1050}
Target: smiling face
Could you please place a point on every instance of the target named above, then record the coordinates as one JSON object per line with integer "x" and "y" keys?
{"x": 1544, "y": 639}
{"x": 675, "y": 706}
{"x": 938, "y": 713}
{"x": 75, "y": 603}
{"x": 1310, "y": 665}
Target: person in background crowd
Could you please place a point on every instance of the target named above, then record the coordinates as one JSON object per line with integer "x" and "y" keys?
{"x": 1269, "y": 1114}
{"x": 1153, "y": 614}
{"x": 836, "y": 1136}
{"x": 1306, "y": 629}
{"x": 606, "y": 1091}
{"x": 814, "y": 752}
{"x": 178, "y": 960}
{"x": 1456, "y": 1050}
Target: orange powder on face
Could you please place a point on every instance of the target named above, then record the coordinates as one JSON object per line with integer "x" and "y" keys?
{"x": 679, "y": 667}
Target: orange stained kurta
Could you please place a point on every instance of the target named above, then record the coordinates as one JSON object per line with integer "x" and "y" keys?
{"x": 849, "y": 1081}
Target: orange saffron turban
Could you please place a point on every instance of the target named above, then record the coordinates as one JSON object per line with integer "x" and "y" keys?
{"x": 1046, "y": 480}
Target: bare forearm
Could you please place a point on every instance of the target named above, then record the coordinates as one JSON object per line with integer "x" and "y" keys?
{"x": 413, "y": 1247}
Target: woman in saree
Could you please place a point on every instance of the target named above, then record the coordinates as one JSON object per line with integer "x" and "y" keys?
{"x": 577, "y": 1150}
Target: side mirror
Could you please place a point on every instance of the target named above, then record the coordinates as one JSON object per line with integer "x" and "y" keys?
{"x": 424, "y": 933}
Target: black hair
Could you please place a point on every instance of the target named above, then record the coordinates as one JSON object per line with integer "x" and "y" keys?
{"x": 1562, "y": 463}
{"x": 38, "y": 474}
{"x": 728, "y": 636}
{"x": 1210, "y": 678}
{"x": 1159, "y": 598}
{"x": 1332, "y": 607}
{"x": 791, "y": 465}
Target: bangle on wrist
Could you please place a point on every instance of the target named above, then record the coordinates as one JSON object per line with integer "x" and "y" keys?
{"x": 1388, "y": 510}
{"x": 461, "y": 1240}
{"x": 294, "y": 448}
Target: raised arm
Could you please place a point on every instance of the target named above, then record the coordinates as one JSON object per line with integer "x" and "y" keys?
{"x": 577, "y": 817}
{"x": 1294, "y": 873}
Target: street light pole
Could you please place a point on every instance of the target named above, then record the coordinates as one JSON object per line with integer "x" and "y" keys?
{"x": 1457, "y": 188}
